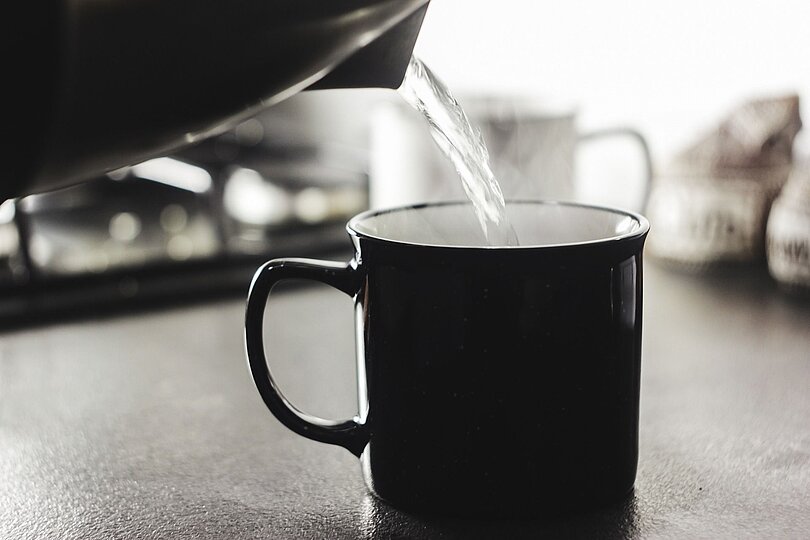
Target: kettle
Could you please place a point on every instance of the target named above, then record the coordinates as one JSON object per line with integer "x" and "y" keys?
{"x": 100, "y": 85}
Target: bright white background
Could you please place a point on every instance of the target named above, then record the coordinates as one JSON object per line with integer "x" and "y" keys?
{"x": 669, "y": 68}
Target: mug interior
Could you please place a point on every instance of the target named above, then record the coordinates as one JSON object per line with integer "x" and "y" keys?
{"x": 536, "y": 223}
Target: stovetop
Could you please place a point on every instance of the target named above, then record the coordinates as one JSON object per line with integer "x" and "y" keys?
{"x": 181, "y": 227}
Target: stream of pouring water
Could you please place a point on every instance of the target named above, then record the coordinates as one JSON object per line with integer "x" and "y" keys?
{"x": 463, "y": 145}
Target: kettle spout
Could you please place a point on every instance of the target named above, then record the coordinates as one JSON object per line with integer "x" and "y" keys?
{"x": 381, "y": 63}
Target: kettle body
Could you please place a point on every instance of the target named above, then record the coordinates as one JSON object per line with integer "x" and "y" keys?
{"x": 109, "y": 84}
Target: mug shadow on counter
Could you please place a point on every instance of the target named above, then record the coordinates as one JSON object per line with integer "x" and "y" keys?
{"x": 379, "y": 520}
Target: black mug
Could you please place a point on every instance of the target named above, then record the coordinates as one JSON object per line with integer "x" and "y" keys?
{"x": 492, "y": 380}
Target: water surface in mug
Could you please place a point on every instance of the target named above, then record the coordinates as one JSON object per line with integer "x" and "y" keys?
{"x": 535, "y": 223}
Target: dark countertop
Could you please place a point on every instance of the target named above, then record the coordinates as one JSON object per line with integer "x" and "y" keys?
{"x": 148, "y": 426}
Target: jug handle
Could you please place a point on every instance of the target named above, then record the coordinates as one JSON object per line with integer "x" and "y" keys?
{"x": 632, "y": 134}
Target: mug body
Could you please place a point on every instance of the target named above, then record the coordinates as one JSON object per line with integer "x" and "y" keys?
{"x": 499, "y": 380}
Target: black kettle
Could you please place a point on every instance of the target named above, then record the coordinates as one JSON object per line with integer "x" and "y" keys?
{"x": 96, "y": 85}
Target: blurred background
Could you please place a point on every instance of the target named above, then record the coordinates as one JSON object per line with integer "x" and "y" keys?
{"x": 577, "y": 100}
{"x": 669, "y": 69}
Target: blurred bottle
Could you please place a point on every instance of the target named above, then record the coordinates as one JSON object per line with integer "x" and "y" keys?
{"x": 788, "y": 234}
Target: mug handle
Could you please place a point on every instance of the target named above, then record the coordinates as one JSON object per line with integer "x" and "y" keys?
{"x": 634, "y": 135}
{"x": 346, "y": 277}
